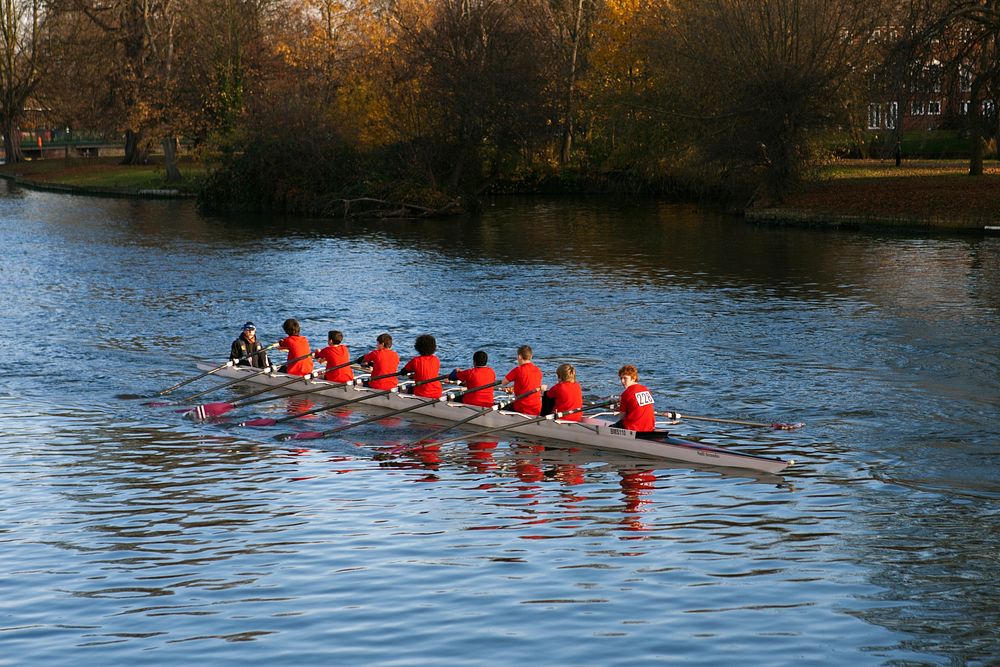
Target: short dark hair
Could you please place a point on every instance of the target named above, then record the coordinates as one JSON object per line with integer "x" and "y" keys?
{"x": 335, "y": 337}
{"x": 385, "y": 339}
{"x": 291, "y": 327}
{"x": 479, "y": 358}
{"x": 426, "y": 344}
{"x": 525, "y": 352}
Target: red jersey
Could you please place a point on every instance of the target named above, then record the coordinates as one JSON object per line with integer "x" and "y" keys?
{"x": 477, "y": 377}
{"x": 636, "y": 408}
{"x": 526, "y": 377}
{"x": 335, "y": 355}
{"x": 297, "y": 346}
{"x": 567, "y": 396}
{"x": 383, "y": 361}
{"x": 425, "y": 367}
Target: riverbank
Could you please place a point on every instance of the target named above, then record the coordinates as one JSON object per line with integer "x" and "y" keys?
{"x": 104, "y": 176}
{"x": 933, "y": 194}
{"x": 851, "y": 194}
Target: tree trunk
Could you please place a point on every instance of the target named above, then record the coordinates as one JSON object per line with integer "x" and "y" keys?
{"x": 12, "y": 142}
{"x": 170, "y": 159}
{"x": 975, "y": 132}
{"x": 136, "y": 151}
{"x": 567, "y": 138}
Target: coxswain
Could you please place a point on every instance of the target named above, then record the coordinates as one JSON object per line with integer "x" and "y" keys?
{"x": 480, "y": 374}
{"x": 383, "y": 360}
{"x": 525, "y": 377}
{"x": 335, "y": 354}
{"x": 246, "y": 350}
{"x": 564, "y": 395}
{"x": 425, "y": 367}
{"x": 297, "y": 346}
{"x": 636, "y": 403}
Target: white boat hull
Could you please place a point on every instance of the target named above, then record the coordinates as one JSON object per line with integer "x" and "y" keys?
{"x": 588, "y": 432}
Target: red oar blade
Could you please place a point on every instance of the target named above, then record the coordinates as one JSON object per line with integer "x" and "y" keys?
{"x": 787, "y": 427}
{"x": 208, "y": 411}
{"x": 159, "y": 404}
{"x": 263, "y": 421}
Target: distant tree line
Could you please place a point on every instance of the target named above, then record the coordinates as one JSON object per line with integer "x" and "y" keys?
{"x": 319, "y": 106}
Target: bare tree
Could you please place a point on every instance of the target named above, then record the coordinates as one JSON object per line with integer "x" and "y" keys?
{"x": 476, "y": 68}
{"x": 22, "y": 45}
{"x": 755, "y": 80}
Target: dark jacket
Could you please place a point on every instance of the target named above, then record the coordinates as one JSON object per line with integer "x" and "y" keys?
{"x": 256, "y": 356}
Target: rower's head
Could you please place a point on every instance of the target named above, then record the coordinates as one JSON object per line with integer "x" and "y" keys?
{"x": 566, "y": 373}
{"x": 479, "y": 358}
{"x": 335, "y": 337}
{"x": 628, "y": 374}
{"x": 524, "y": 354}
{"x": 385, "y": 340}
{"x": 249, "y": 331}
{"x": 291, "y": 327}
{"x": 425, "y": 344}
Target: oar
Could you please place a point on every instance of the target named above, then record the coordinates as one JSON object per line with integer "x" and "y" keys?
{"x": 270, "y": 369}
{"x": 479, "y": 413}
{"x": 526, "y": 422}
{"x": 271, "y": 422}
{"x": 207, "y": 410}
{"x": 231, "y": 362}
{"x": 774, "y": 425}
{"x": 315, "y": 435}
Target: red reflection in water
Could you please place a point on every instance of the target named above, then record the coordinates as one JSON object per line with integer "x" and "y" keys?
{"x": 480, "y": 456}
{"x": 636, "y": 484}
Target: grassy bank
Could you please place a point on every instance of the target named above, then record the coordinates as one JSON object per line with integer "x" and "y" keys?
{"x": 933, "y": 194}
{"x": 104, "y": 175}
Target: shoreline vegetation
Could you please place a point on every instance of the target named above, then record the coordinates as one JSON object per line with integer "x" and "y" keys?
{"x": 845, "y": 194}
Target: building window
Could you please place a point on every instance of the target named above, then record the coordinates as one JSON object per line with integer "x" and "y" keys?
{"x": 892, "y": 115}
{"x": 874, "y": 116}
{"x": 934, "y": 108}
{"x": 916, "y": 108}
{"x": 965, "y": 79}
{"x": 963, "y": 107}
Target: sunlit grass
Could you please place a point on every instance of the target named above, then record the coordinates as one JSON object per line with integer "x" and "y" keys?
{"x": 106, "y": 174}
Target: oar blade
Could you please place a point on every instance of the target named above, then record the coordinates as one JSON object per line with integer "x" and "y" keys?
{"x": 159, "y": 404}
{"x": 208, "y": 411}
{"x": 261, "y": 421}
{"x": 787, "y": 427}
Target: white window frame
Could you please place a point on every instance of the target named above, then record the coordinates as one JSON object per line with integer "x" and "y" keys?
{"x": 933, "y": 107}
{"x": 874, "y": 116}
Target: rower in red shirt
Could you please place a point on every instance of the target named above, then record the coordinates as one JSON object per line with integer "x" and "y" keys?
{"x": 636, "y": 403}
{"x": 297, "y": 346}
{"x": 525, "y": 376}
{"x": 425, "y": 367}
{"x": 476, "y": 376}
{"x": 564, "y": 395}
{"x": 336, "y": 354}
{"x": 383, "y": 360}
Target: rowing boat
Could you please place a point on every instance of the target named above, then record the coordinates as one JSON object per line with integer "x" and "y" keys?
{"x": 590, "y": 432}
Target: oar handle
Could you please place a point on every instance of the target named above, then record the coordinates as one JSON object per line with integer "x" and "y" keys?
{"x": 375, "y": 394}
{"x": 534, "y": 420}
{"x": 344, "y": 427}
{"x": 479, "y": 413}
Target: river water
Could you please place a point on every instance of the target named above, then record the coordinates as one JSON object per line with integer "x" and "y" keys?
{"x": 129, "y": 535}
